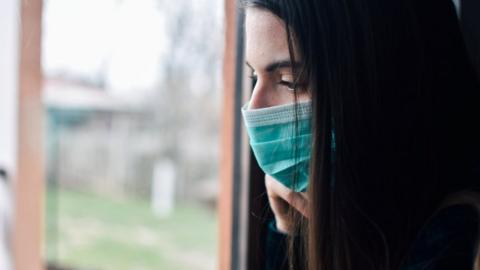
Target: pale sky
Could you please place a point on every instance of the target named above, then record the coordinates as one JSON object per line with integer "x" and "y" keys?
{"x": 120, "y": 41}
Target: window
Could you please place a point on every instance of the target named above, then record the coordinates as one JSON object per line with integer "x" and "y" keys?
{"x": 132, "y": 101}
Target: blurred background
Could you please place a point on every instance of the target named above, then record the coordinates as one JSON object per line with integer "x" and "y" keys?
{"x": 131, "y": 102}
{"x": 132, "y": 98}
{"x": 110, "y": 114}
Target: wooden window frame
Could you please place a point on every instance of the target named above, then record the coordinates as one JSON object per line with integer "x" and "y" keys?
{"x": 243, "y": 203}
{"x": 28, "y": 182}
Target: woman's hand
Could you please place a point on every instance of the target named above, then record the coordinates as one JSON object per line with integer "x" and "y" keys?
{"x": 281, "y": 199}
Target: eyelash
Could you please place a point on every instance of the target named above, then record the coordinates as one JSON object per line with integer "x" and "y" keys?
{"x": 289, "y": 85}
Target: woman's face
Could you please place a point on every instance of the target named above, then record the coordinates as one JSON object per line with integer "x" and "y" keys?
{"x": 268, "y": 56}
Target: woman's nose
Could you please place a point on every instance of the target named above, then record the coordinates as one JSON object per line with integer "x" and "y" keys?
{"x": 261, "y": 96}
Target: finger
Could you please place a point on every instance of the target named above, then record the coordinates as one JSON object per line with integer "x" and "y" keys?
{"x": 304, "y": 195}
{"x": 298, "y": 202}
{"x": 295, "y": 199}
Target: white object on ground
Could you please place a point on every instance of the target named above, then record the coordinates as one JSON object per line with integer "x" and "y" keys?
{"x": 163, "y": 188}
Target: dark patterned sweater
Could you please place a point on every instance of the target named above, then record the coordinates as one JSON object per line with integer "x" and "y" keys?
{"x": 448, "y": 241}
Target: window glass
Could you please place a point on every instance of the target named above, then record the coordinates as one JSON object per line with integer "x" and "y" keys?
{"x": 132, "y": 98}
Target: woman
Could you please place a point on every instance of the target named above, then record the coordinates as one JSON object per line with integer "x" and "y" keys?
{"x": 363, "y": 119}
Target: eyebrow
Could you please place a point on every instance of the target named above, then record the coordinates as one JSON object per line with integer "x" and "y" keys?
{"x": 277, "y": 65}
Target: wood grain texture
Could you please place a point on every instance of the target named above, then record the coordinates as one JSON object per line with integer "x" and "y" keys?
{"x": 28, "y": 184}
{"x": 227, "y": 137}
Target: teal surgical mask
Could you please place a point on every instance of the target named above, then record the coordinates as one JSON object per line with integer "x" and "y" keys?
{"x": 280, "y": 137}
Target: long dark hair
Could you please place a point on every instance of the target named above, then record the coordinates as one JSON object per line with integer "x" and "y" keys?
{"x": 393, "y": 81}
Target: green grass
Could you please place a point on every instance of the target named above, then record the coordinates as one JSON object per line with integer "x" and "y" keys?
{"x": 86, "y": 231}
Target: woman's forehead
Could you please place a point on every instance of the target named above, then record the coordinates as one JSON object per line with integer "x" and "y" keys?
{"x": 266, "y": 38}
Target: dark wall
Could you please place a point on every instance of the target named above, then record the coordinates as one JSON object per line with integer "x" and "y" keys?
{"x": 470, "y": 18}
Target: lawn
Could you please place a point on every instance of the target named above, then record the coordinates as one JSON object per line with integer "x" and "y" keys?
{"x": 86, "y": 231}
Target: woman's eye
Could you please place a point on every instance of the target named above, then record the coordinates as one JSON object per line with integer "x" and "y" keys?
{"x": 289, "y": 85}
